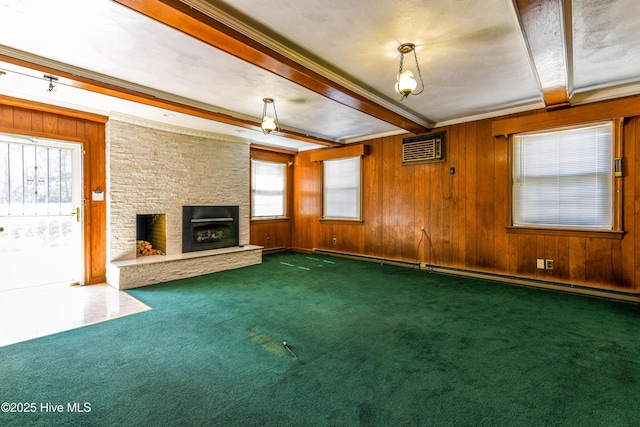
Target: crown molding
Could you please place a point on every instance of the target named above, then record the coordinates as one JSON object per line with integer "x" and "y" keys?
{"x": 529, "y": 106}
{"x": 374, "y": 136}
{"x": 595, "y": 94}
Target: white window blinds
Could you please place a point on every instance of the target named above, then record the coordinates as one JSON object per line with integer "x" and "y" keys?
{"x": 564, "y": 178}
{"x": 267, "y": 189}
{"x": 341, "y": 188}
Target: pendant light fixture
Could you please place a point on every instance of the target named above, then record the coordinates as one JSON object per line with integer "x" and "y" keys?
{"x": 405, "y": 83}
{"x": 270, "y": 123}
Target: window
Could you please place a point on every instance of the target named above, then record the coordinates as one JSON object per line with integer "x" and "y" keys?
{"x": 268, "y": 189}
{"x": 341, "y": 188}
{"x": 564, "y": 178}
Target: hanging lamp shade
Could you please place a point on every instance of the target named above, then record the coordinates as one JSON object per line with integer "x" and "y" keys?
{"x": 268, "y": 124}
{"x": 406, "y": 84}
{"x": 269, "y": 121}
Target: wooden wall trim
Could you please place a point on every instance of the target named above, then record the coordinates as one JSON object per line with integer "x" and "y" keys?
{"x": 337, "y": 153}
{"x": 46, "y": 108}
{"x": 618, "y": 132}
{"x": 273, "y": 149}
{"x": 606, "y": 110}
{"x": 37, "y": 134}
{"x": 539, "y": 231}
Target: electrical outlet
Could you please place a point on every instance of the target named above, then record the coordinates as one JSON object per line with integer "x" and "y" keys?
{"x": 335, "y": 241}
{"x": 549, "y": 264}
{"x": 541, "y": 264}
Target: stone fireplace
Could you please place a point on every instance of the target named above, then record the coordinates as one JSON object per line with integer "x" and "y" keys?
{"x": 153, "y": 168}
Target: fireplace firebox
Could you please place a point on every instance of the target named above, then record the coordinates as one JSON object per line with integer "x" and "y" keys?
{"x": 209, "y": 227}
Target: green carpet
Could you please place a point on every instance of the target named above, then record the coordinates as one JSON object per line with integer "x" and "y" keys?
{"x": 374, "y": 349}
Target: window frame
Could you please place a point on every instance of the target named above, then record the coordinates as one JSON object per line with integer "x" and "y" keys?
{"x": 285, "y": 200}
{"x": 329, "y": 219}
{"x": 616, "y": 232}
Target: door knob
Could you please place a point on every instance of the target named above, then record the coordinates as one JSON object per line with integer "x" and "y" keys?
{"x": 1, "y": 229}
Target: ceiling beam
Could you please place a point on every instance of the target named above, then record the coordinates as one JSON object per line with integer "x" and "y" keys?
{"x": 194, "y": 23}
{"x": 546, "y": 28}
{"x": 138, "y": 96}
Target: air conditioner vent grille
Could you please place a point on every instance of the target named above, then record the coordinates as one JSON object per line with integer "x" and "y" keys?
{"x": 422, "y": 148}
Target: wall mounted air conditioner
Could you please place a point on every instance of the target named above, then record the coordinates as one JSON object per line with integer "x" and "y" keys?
{"x": 423, "y": 148}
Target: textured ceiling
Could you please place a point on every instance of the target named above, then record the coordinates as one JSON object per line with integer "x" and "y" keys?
{"x": 473, "y": 56}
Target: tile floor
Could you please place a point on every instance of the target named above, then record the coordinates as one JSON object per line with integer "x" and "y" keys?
{"x": 43, "y": 310}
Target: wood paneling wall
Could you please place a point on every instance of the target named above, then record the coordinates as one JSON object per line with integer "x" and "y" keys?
{"x": 30, "y": 118}
{"x": 465, "y": 214}
{"x": 274, "y": 233}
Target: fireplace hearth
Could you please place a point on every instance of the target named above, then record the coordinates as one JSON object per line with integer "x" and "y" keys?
{"x": 209, "y": 227}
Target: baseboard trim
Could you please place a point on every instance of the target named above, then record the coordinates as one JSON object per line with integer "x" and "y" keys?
{"x": 514, "y": 280}
{"x": 367, "y": 258}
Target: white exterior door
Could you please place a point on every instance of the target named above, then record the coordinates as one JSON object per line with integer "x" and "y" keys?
{"x": 41, "y": 237}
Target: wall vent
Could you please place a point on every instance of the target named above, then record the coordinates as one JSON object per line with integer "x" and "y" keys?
{"x": 422, "y": 148}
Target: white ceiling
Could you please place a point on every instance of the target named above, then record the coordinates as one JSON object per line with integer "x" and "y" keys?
{"x": 472, "y": 54}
